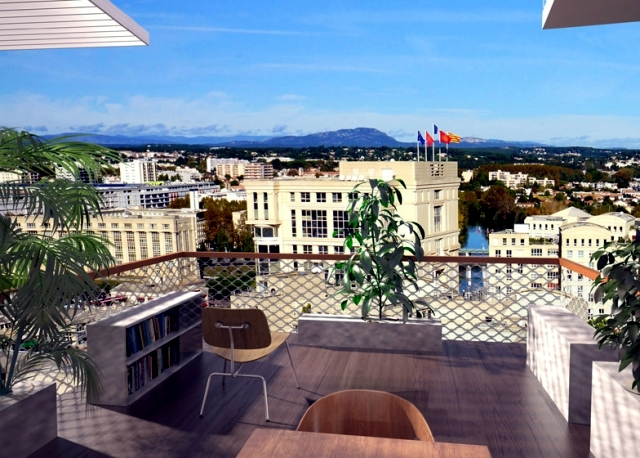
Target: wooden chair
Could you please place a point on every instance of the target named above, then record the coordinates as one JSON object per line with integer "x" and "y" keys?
{"x": 366, "y": 413}
{"x": 241, "y": 336}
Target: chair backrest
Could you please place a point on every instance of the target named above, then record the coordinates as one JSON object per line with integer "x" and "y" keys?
{"x": 255, "y": 335}
{"x": 366, "y": 413}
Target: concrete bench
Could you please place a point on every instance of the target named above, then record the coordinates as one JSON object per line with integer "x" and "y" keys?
{"x": 560, "y": 351}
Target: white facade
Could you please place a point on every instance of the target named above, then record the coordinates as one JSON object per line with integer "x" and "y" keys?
{"x": 138, "y": 171}
{"x": 300, "y": 215}
{"x": 519, "y": 180}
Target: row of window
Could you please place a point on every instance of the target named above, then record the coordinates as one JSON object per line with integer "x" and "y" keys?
{"x": 113, "y": 226}
{"x": 546, "y": 226}
{"x": 596, "y": 242}
{"x": 322, "y": 249}
{"x": 314, "y": 223}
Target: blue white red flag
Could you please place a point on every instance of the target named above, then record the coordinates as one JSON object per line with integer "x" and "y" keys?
{"x": 420, "y": 138}
{"x": 435, "y": 130}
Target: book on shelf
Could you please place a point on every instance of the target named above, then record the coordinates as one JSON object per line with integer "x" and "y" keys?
{"x": 150, "y": 366}
{"x": 145, "y": 333}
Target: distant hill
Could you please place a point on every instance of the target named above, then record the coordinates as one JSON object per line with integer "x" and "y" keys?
{"x": 361, "y": 136}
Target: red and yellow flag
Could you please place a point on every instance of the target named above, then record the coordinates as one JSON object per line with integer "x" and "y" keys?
{"x": 453, "y": 137}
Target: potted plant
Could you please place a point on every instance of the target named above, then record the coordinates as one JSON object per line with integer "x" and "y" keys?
{"x": 379, "y": 274}
{"x": 44, "y": 278}
{"x": 618, "y": 284}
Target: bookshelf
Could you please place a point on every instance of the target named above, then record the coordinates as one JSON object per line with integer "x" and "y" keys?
{"x": 139, "y": 348}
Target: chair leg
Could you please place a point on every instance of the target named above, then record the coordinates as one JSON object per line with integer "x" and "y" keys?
{"x": 292, "y": 367}
{"x": 264, "y": 386}
{"x": 206, "y": 392}
{"x": 224, "y": 369}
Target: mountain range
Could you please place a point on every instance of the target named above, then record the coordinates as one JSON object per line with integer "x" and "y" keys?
{"x": 359, "y": 137}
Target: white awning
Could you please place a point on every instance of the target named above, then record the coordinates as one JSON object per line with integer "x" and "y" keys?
{"x": 575, "y": 13}
{"x": 46, "y": 24}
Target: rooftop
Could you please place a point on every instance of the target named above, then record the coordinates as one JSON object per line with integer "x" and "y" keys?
{"x": 474, "y": 393}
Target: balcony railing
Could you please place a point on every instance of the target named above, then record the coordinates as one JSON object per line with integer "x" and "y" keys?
{"x": 477, "y": 298}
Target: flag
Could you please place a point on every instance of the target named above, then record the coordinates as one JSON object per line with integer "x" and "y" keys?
{"x": 444, "y": 138}
{"x": 435, "y": 130}
{"x": 429, "y": 139}
{"x": 420, "y": 139}
{"x": 453, "y": 137}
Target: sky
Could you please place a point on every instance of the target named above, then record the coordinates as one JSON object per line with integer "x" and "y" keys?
{"x": 224, "y": 68}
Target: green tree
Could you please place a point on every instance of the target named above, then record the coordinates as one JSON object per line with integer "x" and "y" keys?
{"x": 498, "y": 207}
{"x": 181, "y": 202}
{"x": 48, "y": 277}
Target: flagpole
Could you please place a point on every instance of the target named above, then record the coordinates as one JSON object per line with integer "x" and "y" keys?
{"x": 418, "y": 146}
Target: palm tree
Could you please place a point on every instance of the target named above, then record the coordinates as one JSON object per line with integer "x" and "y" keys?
{"x": 45, "y": 279}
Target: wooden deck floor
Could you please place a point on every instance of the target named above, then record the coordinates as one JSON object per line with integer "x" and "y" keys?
{"x": 475, "y": 393}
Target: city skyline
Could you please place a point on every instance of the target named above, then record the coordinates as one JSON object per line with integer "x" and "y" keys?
{"x": 286, "y": 68}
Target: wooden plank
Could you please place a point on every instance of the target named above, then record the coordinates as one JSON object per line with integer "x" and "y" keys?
{"x": 474, "y": 393}
{"x": 264, "y": 443}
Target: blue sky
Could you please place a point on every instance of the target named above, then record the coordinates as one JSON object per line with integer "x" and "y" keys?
{"x": 221, "y": 68}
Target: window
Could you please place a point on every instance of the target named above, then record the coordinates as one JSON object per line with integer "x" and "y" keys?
{"x": 314, "y": 223}
{"x": 127, "y": 225}
{"x": 142, "y": 240}
{"x": 567, "y": 242}
{"x": 509, "y": 253}
{"x": 580, "y": 290}
{"x": 155, "y": 243}
{"x": 553, "y": 252}
{"x": 353, "y": 196}
{"x": 323, "y": 249}
{"x": 521, "y": 242}
{"x": 321, "y": 196}
{"x": 552, "y": 275}
{"x": 520, "y": 268}
{"x": 569, "y": 275}
{"x": 294, "y": 249}
{"x": 336, "y": 197}
{"x": 582, "y": 242}
{"x": 166, "y": 227}
{"x": 437, "y": 219}
{"x": 305, "y": 197}
{"x": 513, "y": 242}
{"x": 294, "y": 229}
{"x": 168, "y": 243}
{"x": 437, "y": 195}
{"x": 338, "y": 250}
{"x": 536, "y": 252}
{"x": 589, "y": 242}
{"x": 266, "y": 205}
{"x": 569, "y": 253}
{"x": 100, "y": 225}
{"x": 509, "y": 271}
{"x": 307, "y": 249}
{"x": 117, "y": 242}
{"x": 504, "y": 241}
{"x": 581, "y": 254}
{"x": 498, "y": 253}
{"x": 255, "y": 205}
{"x": 580, "y": 277}
{"x": 131, "y": 246}
{"x": 597, "y": 242}
{"x": 292, "y": 196}
{"x": 140, "y": 225}
{"x": 340, "y": 224}
{"x": 153, "y": 226}
{"x": 31, "y": 225}
{"x": 114, "y": 225}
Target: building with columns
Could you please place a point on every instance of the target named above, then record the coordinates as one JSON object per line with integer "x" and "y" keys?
{"x": 300, "y": 215}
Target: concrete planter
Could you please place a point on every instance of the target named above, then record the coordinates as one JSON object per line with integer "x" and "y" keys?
{"x": 28, "y": 419}
{"x": 418, "y": 334}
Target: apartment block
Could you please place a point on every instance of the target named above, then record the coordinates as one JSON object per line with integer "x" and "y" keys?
{"x": 222, "y": 167}
{"x": 571, "y": 234}
{"x": 149, "y": 196}
{"x": 138, "y": 171}
{"x": 300, "y": 215}
{"x": 258, "y": 171}
{"x": 518, "y": 180}
{"x": 138, "y": 233}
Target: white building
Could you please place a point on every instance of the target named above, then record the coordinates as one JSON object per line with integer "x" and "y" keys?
{"x": 300, "y": 215}
{"x": 138, "y": 171}
{"x": 222, "y": 167}
{"x": 519, "y": 180}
